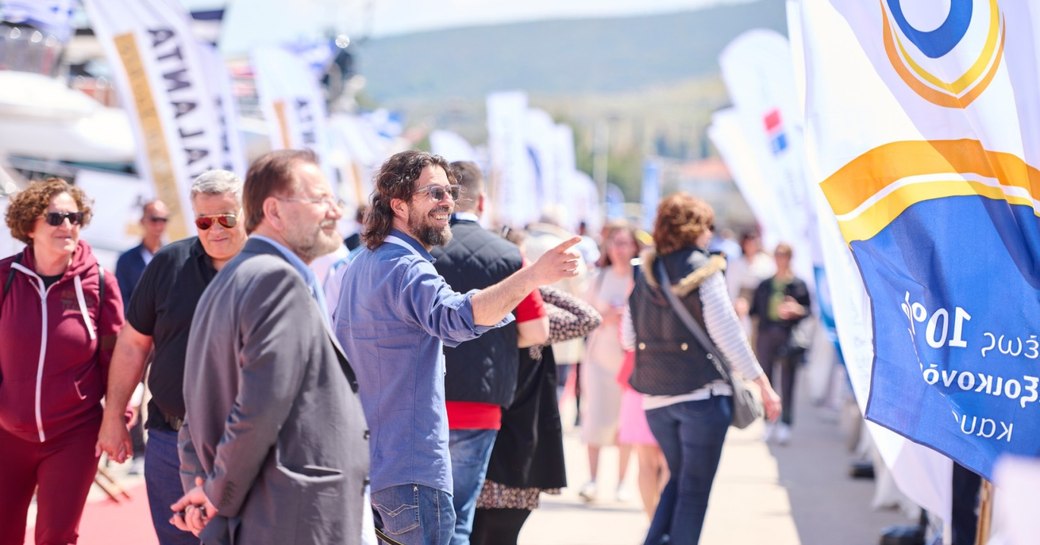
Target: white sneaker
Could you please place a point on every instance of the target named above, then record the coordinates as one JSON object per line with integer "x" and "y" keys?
{"x": 588, "y": 491}
{"x": 622, "y": 495}
{"x": 783, "y": 434}
{"x": 769, "y": 433}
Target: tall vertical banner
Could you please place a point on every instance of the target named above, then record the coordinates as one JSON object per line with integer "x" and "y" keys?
{"x": 758, "y": 72}
{"x": 162, "y": 84}
{"x": 650, "y": 192}
{"x": 743, "y": 159}
{"x": 565, "y": 162}
{"x": 234, "y": 155}
{"x": 540, "y": 133}
{"x": 451, "y": 146}
{"x": 924, "y": 135}
{"x": 292, "y": 103}
{"x": 512, "y": 181}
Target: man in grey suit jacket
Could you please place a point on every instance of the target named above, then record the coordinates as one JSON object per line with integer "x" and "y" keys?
{"x": 274, "y": 436}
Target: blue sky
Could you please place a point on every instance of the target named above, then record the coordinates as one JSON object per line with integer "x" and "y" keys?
{"x": 245, "y": 18}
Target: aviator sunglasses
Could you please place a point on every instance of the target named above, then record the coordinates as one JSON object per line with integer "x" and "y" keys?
{"x": 437, "y": 192}
{"x": 55, "y": 219}
{"x": 226, "y": 221}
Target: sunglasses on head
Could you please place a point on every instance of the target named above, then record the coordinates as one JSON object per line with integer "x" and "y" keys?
{"x": 57, "y": 218}
{"x": 226, "y": 221}
{"x": 437, "y": 192}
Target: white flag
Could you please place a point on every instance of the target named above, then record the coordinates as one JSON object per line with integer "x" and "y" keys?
{"x": 234, "y": 155}
{"x": 512, "y": 181}
{"x": 163, "y": 85}
{"x": 292, "y": 103}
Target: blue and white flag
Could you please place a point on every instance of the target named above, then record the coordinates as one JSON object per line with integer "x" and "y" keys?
{"x": 50, "y": 16}
{"x": 924, "y": 135}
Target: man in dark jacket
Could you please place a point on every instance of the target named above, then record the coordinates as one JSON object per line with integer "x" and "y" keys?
{"x": 481, "y": 373}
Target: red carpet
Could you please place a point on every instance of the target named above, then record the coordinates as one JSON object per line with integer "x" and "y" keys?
{"x": 105, "y": 522}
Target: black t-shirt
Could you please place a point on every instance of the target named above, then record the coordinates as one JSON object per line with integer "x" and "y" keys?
{"x": 162, "y": 306}
{"x": 48, "y": 280}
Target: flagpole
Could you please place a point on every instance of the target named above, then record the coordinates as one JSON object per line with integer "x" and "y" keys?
{"x": 985, "y": 513}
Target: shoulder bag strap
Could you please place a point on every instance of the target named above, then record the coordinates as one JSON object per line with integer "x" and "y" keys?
{"x": 713, "y": 353}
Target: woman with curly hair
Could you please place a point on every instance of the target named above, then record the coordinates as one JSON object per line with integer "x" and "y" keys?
{"x": 59, "y": 315}
{"x": 688, "y": 404}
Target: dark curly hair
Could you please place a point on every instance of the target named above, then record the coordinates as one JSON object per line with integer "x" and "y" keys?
{"x": 681, "y": 219}
{"x": 28, "y": 205}
{"x": 396, "y": 180}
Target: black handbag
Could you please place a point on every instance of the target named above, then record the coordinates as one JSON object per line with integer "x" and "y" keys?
{"x": 746, "y": 406}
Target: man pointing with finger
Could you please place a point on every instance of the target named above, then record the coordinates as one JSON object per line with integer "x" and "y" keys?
{"x": 396, "y": 315}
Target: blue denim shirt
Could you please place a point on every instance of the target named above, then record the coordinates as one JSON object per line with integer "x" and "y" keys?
{"x": 395, "y": 315}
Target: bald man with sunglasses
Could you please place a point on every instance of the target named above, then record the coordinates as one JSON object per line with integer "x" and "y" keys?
{"x": 159, "y": 316}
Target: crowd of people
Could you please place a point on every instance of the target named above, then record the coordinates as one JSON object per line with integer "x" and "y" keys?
{"x": 408, "y": 393}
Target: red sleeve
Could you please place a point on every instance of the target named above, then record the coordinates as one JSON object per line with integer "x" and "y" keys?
{"x": 531, "y": 308}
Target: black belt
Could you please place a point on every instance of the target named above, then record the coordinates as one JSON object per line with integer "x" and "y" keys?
{"x": 172, "y": 421}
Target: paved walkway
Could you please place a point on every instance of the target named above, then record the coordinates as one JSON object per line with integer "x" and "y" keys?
{"x": 798, "y": 494}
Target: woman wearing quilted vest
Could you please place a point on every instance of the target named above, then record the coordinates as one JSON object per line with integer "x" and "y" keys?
{"x": 688, "y": 404}
{"x": 59, "y": 316}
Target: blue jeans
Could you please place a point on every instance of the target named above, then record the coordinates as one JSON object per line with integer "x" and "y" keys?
{"x": 691, "y": 436}
{"x": 414, "y": 514}
{"x": 162, "y": 477}
{"x": 470, "y": 453}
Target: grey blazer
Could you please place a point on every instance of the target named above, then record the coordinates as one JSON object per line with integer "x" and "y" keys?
{"x": 274, "y": 423}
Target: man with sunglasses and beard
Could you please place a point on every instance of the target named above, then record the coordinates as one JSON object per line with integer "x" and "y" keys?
{"x": 159, "y": 317}
{"x": 396, "y": 314}
{"x": 274, "y": 436}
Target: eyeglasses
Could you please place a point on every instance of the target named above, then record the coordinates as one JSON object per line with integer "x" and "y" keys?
{"x": 158, "y": 219}
{"x": 437, "y": 192}
{"x": 327, "y": 199}
{"x": 226, "y": 221}
{"x": 55, "y": 219}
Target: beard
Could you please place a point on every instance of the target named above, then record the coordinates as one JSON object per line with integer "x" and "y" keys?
{"x": 426, "y": 232}
{"x": 314, "y": 244}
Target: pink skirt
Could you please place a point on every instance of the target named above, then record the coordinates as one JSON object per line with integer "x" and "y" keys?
{"x": 633, "y": 429}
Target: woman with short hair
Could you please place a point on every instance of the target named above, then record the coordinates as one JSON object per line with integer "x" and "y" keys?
{"x": 59, "y": 316}
{"x": 688, "y": 403}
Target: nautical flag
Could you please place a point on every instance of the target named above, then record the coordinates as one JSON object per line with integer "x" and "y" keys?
{"x": 924, "y": 136}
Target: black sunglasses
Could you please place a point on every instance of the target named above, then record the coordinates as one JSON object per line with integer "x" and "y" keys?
{"x": 226, "y": 221}
{"x": 55, "y": 219}
{"x": 439, "y": 191}
{"x": 158, "y": 219}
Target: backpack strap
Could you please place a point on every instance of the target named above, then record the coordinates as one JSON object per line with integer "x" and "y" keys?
{"x": 10, "y": 278}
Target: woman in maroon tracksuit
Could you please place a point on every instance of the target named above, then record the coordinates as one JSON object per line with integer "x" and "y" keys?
{"x": 57, "y": 329}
